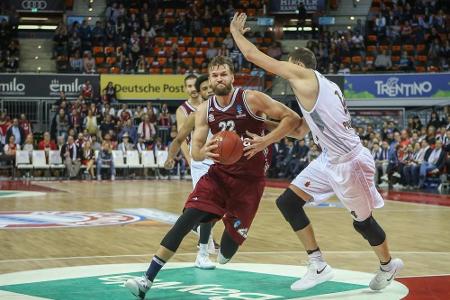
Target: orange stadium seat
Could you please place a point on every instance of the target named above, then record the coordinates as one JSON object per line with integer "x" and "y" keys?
{"x": 211, "y": 39}
{"x": 149, "y": 59}
{"x": 199, "y": 60}
{"x": 103, "y": 70}
{"x": 97, "y": 50}
{"x": 181, "y": 49}
{"x": 395, "y": 58}
{"x": 268, "y": 40}
{"x": 114, "y": 70}
{"x": 371, "y": 49}
{"x": 421, "y": 48}
{"x": 191, "y": 50}
{"x": 159, "y": 40}
{"x": 99, "y": 60}
{"x": 396, "y": 48}
{"x": 187, "y": 61}
{"x": 173, "y": 39}
{"x": 370, "y": 59}
{"x": 420, "y": 69}
{"x": 111, "y": 60}
{"x": 372, "y": 38}
{"x": 408, "y": 48}
{"x": 206, "y": 30}
{"x": 217, "y": 30}
{"x": 198, "y": 41}
{"x": 346, "y": 59}
{"x": 187, "y": 40}
{"x": 162, "y": 61}
{"x": 155, "y": 70}
{"x": 384, "y": 47}
{"x": 421, "y": 58}
{"x": 251, "y": 12}
{"x": 167, "y": 71}
{"x": 356, "y": 59}
{"x": 199, "y": 53}
{"x": 109, "y": 50}
{"x": 167, "y": 49}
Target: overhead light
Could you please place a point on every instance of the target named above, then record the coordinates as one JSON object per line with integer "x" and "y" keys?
{"x": 48, "y": 27}
{"x": 33, "y": 19}
{"x": 38, "y": 68}
{"x": 91, "y": 1}
{"x": 307, "y": 28}
{"x": 39, "y": 46}
{"x": 89, "y": 18}
{"x": 28, "y": 27}
{"x": 90, "y": 9}
{"x": 352, "y": 18}
{"x": 349, "y": 27}
{"x": 36, "y": 57}
{"x": 289, "y": 28}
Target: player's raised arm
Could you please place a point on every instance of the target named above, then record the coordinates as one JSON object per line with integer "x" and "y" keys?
{"x": 284, "y": 69}
{"x": 201, "y": 148}
{"x": 175, "y": 146}
{"x": 181, "y": 118}
{"x": 259, "y": 103}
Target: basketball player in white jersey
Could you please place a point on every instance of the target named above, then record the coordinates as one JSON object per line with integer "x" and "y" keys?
{"x": 198, "y": 168}
{"x": 344, "y": 168}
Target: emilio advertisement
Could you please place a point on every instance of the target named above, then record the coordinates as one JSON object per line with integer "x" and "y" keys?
{"x": 397, "y": 86}
{"x": 44, "y": 86}
{"x": 290, "y": 6}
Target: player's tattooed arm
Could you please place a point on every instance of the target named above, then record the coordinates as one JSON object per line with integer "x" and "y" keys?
{"x": 175, "y": 146}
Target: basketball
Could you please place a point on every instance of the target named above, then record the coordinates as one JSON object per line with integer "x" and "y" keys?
{"x": 230, "y": 147}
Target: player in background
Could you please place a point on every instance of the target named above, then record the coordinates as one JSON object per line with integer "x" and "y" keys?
{"x": 198, "y": 169}
{"x": 344, "y": 168}
{"x": 231, "y": 192}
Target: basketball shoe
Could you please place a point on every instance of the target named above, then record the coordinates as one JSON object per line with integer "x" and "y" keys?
{"x": 317, "y": 272}
{"x": 138, "y": 286}
{"x": 203, "y": 262}
{"x": 384, "y": 277}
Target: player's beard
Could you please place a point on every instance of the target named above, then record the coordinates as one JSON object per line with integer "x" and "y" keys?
{"x": 222, "y": 91}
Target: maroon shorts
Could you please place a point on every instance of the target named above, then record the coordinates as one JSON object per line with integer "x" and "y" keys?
{"x": 235, "y": 199}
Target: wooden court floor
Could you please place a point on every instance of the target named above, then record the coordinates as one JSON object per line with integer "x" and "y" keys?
{"x": 418, "y": 233}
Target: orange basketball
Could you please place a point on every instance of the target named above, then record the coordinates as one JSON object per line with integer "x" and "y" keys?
{"x": 230, "y": 147}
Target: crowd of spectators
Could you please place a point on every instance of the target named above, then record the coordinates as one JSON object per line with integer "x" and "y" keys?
{"x": 153, "y": 37}
{"x": 402, "y": 35}
{"x": 404, "y": 158}
{"x": 9, "y": 44}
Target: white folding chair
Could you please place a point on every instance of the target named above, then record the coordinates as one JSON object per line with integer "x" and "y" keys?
{"x": 118, "y": 160}
{"x": 148, "y": 160}
{"x": 23, "y": 161}
{"x": 161, "y": 157}
{"x": 55, "y": 160}
{"x": 133, "y": 159}
{"x": 39, "y": 160}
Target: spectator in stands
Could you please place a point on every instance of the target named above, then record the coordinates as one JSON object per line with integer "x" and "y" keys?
{"x": 411, "y": 171}
{"x": 434, "y": 120}
{"x": 106, "y": 125}
{"x": 76, "y": 62}
{"x": 147, "y": 130}
{"x": 124, "y": 113}
{"x": 88, "y": 158}
{"x": 17, "y": 131}
{"x": 380, "y": 155}
{"x": 140, "y": 145}
{"x": 228, "y": 42}
{"x": 288, "y": 156}
{"x": 88, "y": 63}
{"x": 105, "y": 158}
{"x": 275, "y": 51}
{"x": 301, "y": 159}
{"x": 433, "y": 163}
{"x": 138, "y": 115}
{"x": 71, "y": 157}
{"x": 406, "y": 32}
{"x": 87, "y": 90}
{"x": 29, "y": 144}
{"x": 47, "y": 144}
{"x": 126, "y": 145}
{"x": 406, "y": 64}
{"x": 383, "y": 61}
{"x": 25, "y": 125}
{"x": 74, "y": 43}
{"x": 130, "y": 130}
{"x": 110, "y": 93}
{"x": 380, "y": 24}
{"x": 90, "y": 123}
{"x": 11, "y": 147}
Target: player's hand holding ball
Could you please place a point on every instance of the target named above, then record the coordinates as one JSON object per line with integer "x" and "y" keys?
{"x": 208, "y": 148}
{"x": 254, "y": 145}
{"x": 229, "y": 147}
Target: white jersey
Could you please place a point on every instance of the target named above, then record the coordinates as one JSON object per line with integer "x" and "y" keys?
{"x": 329, "y": 121}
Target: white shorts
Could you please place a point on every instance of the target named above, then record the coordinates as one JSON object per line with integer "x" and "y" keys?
{"x": 351, "y": 179}
{"x": 198, "y": 169}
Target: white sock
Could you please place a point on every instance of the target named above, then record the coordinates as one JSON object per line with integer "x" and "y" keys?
{"x": 203, "y": 249}
{"x": 387, "y": 267}
{"x": 317, "y": 258}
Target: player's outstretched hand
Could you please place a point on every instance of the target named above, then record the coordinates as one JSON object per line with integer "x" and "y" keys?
{"x": 208, "y": 148}
{"x": 169, "y": 164}
{"x": 255, "y": 144}
{"x": 238, "y": 23}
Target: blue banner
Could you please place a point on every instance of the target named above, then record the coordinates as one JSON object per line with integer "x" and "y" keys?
{"x": 397, "y": 86}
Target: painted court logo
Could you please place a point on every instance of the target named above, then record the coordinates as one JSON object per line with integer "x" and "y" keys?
{"x": 56, "y": 219}
{"x": 184, "y": 282}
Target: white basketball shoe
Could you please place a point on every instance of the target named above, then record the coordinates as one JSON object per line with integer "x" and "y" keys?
{"x": 203, "y": 262}
{"x": 383, "y": 278}
{"x": 138, "y": 286}
{"x": 316, "y": 274}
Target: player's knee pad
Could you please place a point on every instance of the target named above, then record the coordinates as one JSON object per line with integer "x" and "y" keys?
{"x": 371, "y": 231}
{"x": 291, "y": 206}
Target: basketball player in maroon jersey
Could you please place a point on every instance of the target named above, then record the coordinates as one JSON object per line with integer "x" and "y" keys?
{"x": 231, "y": 192}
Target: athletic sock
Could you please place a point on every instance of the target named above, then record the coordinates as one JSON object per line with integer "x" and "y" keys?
{"x": 156, "y": 265}
{"x": 203, "y": 249}
{"x": 316, "y": 257}
{"x": 386, "y": 266}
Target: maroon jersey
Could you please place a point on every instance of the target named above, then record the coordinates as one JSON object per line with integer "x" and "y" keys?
{"x": 187, "y": 109}
{"x": 238, "y": 117}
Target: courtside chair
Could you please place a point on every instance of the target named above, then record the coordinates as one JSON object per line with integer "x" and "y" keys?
{"x": 133, "y": 160}
{"x": 149, "y": 162}
{"x": 23, "y": 161}
{"x": 119, "y": 160}
{"x": 39, "y": 160}
{"x": 55, "y": 162}
{"x": 161, "y": 157}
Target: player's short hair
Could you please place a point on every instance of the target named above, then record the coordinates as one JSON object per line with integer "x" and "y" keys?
{"x": 305, "y": 56}
{"x": 200, "y": 80}
{"x": 190, "y": 76}
{"x": 221, "y": 61}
